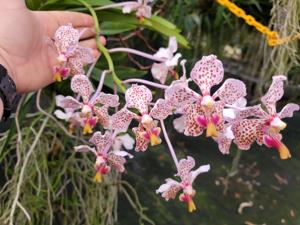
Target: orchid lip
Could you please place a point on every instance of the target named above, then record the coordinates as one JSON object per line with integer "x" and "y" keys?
{"x": 278, "y": 123}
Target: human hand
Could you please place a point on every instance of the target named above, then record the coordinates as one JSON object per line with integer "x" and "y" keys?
{"x": 24, "y": 42}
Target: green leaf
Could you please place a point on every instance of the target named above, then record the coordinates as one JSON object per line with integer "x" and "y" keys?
{"x": 111, "y": 28}
{"x": 34, "y": 4}
{"x": 62, "y": 4}
{"x": 164, "y": 22}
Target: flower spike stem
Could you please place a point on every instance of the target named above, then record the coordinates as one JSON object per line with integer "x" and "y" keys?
{"x": 169, "y": 143}
{"x": 101, "y": 48}
{"x": 161, "y": 86}
{"x": 136, "y": 52}
{"x": 100, "y": 85}
{"x": 117, "y": 5}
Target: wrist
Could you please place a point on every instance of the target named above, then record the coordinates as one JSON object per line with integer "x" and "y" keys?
{"x": 7, "y": 65}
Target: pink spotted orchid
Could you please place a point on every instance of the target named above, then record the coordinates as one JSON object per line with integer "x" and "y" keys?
{"x": 71, "y": 56}
{"x": 170, "y": 189}
{"x": 141, "y": 7}
{"x": 265, "y": 128}
{"x": 205, "y": 111}
{"x": 93, "y": 108}
{"x": 139, "y": 97}
{"x": 105, "y": 157}
{"x": 161, "y": 70}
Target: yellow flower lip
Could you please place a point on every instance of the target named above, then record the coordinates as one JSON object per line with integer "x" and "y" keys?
{"x": 284, "y": 152}
{"x": 98, "y": 177}
{"x": 154, "y": 140}
{"x": 211, "y": 130}
{"x": 57, "y": 77}
{"x": 87, "y": 129}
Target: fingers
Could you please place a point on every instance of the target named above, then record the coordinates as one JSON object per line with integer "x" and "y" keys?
{"x": 87, "y": 33}
{"x": 77, "y": 19}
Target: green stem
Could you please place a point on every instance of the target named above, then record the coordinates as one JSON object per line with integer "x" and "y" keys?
{"x": 101, "y": 48}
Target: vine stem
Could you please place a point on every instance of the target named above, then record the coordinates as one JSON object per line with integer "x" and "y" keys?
{"x": 171, "y": 149}
{"x": 22, "y": 173}
{"x": 101, "y": 48}
{"x": 100, "y": 85}
{"x": 161, "y": 86}
{"x": 137, "y": 52}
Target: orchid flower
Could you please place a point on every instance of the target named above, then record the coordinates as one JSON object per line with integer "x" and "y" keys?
{"x": 143, "y": 10}
{"x": 139, "y": 97}
{"x": 170, "y": 189}
{"x": 105, "y": 159}
{"x": 265, "y": 128}
{"x": 71, "y": 57}
{"x": 205, "y": 110}
{"x": 160, "y": 70}
{"x": 93, "y": 108}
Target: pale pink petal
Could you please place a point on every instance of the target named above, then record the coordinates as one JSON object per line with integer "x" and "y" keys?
{"x": 80, "y": 84}
{"x": 127, "y": 141}
{"x": 185, "y": 166}
{"x": 107, "y": 99}
{"x": 102, "y": 116}
{"x": 170, "y": 63}
{"x": 68, "y": 102}
{"x": 116, "y": 161}
{"x": 247, "y": 131}
{"x": 192, "y": 128}
{"x": 122, "y": 119}
{"x": 139, "y": 97}
{"x": 99, "y": 140}
{"x": 207, "y": 72}
{"x": 141, "y": 142}
{"x": 169, "y": 189}
{"x": 251, "y": 111}
{"x": 84, "y": 148}
{"x": 224, "y": 143}
{"x": 161, "y": 110}
{"x": 173, "y": 46}
{"x": 160, "y": 72}
{"x": 85, "y": 55}
{"x": 201, "y": 169}
{"x": 288, "y": 110}
{"x": 179, "y": 124}
{"x": 123, "y": 154}
{"x": 231, "y": 91}
{"x": 144, "y": 11}
{"x": 63, "y": 115}
{"x": 75, "y": 65}
{"x": 274, "y": 93}
{"x": 179, "y": 94}
{"x": 66, "y": 39}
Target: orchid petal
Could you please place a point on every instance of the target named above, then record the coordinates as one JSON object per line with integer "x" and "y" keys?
{"x": 192, "y": 128}
{"x": 274, "y": 93}
{"x": 141, "y": 142}
{"x": 84, "y": 148}
{"x": 161, "y": 110}
{"x": 121, "y": 119}
{"x": 201, "y": 169}
{"x": 66, "y": 39}
{"x": 231, "y": 91}
{"x": 99, "y": 140}
{"x": 127, "y": 141}
{"x": 247, "y": 131}
{"x": 207, "y": 72}
{"x": 62, "y": 115}
{"x": 179, "y": 94}
{"x": 80, "y": 84}
{"x": 68, "y": 102}
{"x": 288, "y": 110}
{"x": 160, "y": 72}
{"x": 179, "y": 124}
{"x": 116, "y": 161}
{"x": 173, "y": 46}
{"x": 107, "y": 99}
{"x": 185, "y": 166}
{"x": 123, "y": 154}
{"x": 139, "y": 97}
{"x": 170, "y": 189}
{"x": 102, "y": 116}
